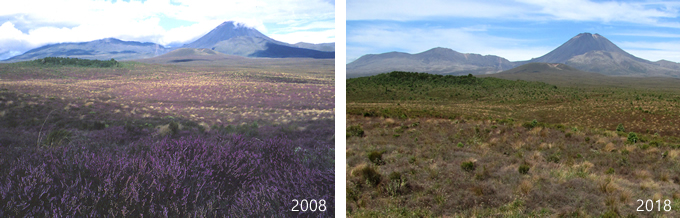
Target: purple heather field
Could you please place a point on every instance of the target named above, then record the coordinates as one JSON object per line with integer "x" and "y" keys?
{"x": 160, "y": 140}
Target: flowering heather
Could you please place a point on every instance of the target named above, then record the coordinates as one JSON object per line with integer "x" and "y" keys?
{"x": 145, "y": 140}
{"x": 187, "y": 176}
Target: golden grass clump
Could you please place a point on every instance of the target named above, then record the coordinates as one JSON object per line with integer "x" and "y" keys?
{"x": 525, "y": 187}
{"x": 642, "y": 174}
{"x": 609, "y": 147}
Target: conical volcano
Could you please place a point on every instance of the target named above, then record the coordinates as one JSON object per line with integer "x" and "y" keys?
{"x": 226, "y": 31}
{"x": 578, "y": 45}
{"x": 237, "y": 39}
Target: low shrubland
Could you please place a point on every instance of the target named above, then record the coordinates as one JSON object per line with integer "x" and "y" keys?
{"x": 486, "y": 147}
{"x": 140, "y": 140}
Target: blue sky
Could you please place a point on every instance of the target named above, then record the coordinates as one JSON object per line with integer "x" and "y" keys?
{"x": 28, "y": 24}
{"x": 516, "y": 30}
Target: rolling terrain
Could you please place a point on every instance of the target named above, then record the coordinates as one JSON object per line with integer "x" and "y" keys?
{"x": 202, "y": 138}
{"x": 436, "y": 60}
{"x": 227, "y": 38}
{"x": 539, "y": 140}
{"x": 103, "y": 49}
{"x": 585, "y": 52}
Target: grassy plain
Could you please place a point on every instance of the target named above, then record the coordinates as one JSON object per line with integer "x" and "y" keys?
{"x": 432, "y": 145}
{"x": 207, "y": 139}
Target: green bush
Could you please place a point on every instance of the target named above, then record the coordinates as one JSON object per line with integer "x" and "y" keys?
{"x": 555, "y": 158}
{"x": 530, "y": 125}
{"x": 524, "y": 168}
{"x": 395, "y": 176}
{"x": 58, "y": 137}
{"x": 376, "y": 157}
{"x": 610, "y": 171}
{"x": 174, "y": 127}
{"x": 370, "y": 175}
{"x": 468, "y": 166}
{"x": 632, "y": 137}
{"x": 355, "y": 131}
{"x": 460, "y": 145}
{"x": 620, "y": 128}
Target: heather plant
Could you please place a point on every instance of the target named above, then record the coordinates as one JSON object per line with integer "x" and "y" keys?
{"x": 100, "y": 153}
{"x": 170, "y": 177}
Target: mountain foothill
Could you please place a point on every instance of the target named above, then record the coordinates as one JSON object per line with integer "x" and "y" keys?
{"x": 583, "y": 54}
{"x": 229, "y": 38}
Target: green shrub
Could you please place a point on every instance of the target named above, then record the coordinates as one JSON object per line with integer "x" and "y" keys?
{"x": 620, "y": 128}
{"x": 58, "y": 137}
{"x": 460, "y": 145}
{"x": 632, "y": 137}
{"x": 395, "y": 176}
{"x": 98, "y": 125}
{"x": 174, "y": 127}
{"x": 610, "y": 171}
{"x": 412, "y": 159}
{"x": 567, "y": 135}
{"x": 524, "y": 168}
{"x": 376, "y": 157}
{"x": 370, "y": 175}
{"x": 555, "y": 158}
{"x": 468, "y": 166}
{"x": 530, "y": 125}
{"x": 355, "y": 131}
{"x": 587, "y": 139}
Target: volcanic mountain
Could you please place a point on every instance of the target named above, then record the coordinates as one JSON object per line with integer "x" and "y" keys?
{"x": 436, "y": 61}
{"x": 595, "y": 53}
{"x": 237, "y": 39}
{"x": 584, "y": 52}
{"x": 102, "y": 49}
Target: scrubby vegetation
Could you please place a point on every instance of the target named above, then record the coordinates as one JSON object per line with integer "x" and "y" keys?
{"x": 59, "y": 61}
{"x": 486, "y": 147}
{"x": 144, "y": 140}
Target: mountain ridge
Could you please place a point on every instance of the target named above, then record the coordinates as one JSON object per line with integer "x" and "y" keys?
{"x": 585, "y": 52}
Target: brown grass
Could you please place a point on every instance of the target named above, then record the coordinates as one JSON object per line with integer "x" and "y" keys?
{"x": 431, "y": 165}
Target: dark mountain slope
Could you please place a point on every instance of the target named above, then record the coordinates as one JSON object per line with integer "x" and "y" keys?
{"x": 103, "y": 49}
{"x": 436, "y": 61}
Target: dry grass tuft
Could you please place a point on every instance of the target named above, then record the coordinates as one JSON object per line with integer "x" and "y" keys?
{"x": 642, "y": 174}
{"x": 525, "y": 187}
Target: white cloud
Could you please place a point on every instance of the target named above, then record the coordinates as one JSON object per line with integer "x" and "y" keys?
{"x": 653, "y": 51}
{"x": 403, "y": 10}
{"x": 306, "y": 36}
{"x": 651, "y": 13}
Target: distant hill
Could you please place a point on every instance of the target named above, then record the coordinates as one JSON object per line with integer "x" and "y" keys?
{"x": 103, "y": 49}
{"x": 190, "y": 55}
{"x": 564, "y": 75}
{"x": 585, "y": 52}
{"x": 436, "y": 61}
{"x": 236, "y": 39}
{"x": 319, "y": 47}
{"x": 553, "y": 73}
